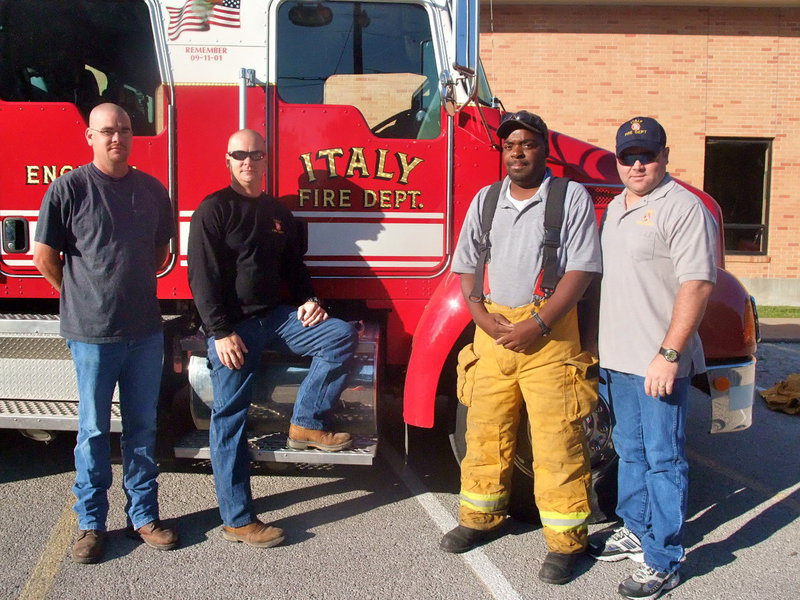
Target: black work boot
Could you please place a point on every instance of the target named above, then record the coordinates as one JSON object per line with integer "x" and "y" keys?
{"x": 557, "y": 568}
{"x": 462, "y": 539}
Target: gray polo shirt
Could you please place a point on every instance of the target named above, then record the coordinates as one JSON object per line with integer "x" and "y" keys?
{"x": 649, "y": 250}
{"x": 517, "y": 236}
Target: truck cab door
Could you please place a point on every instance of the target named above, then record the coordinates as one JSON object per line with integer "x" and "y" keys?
{"x": 359, "y": 144}
{"x": 58, "y": 60}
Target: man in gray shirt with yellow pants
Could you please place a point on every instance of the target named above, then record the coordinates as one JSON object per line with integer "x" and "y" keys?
{"x": 659, "y": 269}
{"x": 527, "y": 350}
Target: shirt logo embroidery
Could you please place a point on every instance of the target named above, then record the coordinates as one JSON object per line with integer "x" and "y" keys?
{"x": 647, "y": 219}
{"x": 278, "y": 226}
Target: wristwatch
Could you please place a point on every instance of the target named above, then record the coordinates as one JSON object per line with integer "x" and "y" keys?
{"x": 669, "y": 354}
{"x": 545, "y": 329}
{"x": 314, "y": 299}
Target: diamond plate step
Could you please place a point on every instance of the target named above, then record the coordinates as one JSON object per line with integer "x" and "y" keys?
{"x": 52, "y": 416}
{"x": 272, "y": 448}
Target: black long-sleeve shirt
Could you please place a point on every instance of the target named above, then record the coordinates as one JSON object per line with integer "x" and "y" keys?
{"x": 245, "y": 257}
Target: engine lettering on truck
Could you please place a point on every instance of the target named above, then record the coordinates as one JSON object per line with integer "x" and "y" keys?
{"x": 44, "y": 174}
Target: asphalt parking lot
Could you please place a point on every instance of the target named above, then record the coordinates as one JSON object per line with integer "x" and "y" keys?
{"x": 372, "y": 532}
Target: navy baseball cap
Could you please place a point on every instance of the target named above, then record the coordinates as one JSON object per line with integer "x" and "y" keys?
{"x": 521, "y": 120}
{"x": 641, "y": 132}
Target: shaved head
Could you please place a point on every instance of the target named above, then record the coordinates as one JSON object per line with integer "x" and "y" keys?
{"x": 246, "y": 137}
{"x": 110, "y": 137}
{"x": 247, "y": 162}
{"x": 102, "y": 111}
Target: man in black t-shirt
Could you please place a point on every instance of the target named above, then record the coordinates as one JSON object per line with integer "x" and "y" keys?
{"x": 113, "y": 225}
{"x": 244, "y": 250}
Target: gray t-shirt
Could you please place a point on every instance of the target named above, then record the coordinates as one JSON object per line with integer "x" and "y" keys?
{"x": 517, "y": 236}
{"x": 649, "y": 250}
{"x": 108, "y": 230}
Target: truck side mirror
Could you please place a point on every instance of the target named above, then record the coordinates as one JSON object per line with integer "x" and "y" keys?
{"x": 466, "y": 32}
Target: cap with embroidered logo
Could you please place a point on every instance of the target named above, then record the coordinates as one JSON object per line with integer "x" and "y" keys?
{"x": 641, "y": 132}
{"x": 521, "y": 120}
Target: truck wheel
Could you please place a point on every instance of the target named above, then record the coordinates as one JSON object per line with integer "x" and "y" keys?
{"x": 602, "y": 456}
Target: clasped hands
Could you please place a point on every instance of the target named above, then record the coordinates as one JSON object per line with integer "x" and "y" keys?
{"x": 517, "y": 337}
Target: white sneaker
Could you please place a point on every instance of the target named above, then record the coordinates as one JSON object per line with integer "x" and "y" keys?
{"x": 622, "y": 544}
{"x": 647, "y": 583}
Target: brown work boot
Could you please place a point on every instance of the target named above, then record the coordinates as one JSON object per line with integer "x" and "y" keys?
{"x": 301, "y": 438}
{"x": 89, "y": 545}
{"x": 155, "y": 535}
{"x": 256, "y": 534}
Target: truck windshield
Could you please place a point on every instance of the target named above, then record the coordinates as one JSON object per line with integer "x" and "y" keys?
{"x": 376, "y": 57}
{"x": 84, "y": 52}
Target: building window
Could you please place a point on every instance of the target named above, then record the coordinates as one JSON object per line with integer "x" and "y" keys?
{"x": 737, "y": 174}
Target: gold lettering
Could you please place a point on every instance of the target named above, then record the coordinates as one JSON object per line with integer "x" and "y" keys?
{"x": 327, "y": 197}
{"x": 49, "y": 174}
{"x": 357, "y": 161}
{"x": 31, "y": 175}
{"x": 65, "y": 169}
{"x": 399, "y": 198}
{"x": 413, "y": 194}
{"x": 386, "y": 198}
{"x": 344, "y": 198}
{"x": 370, "y": 198}
{"x": 329, "y": 155}
{"x": 303, "y": 195}
{"x": 306, "y": 160}
{"x": 380, "y": 173}
{"x": 407, "y": 167}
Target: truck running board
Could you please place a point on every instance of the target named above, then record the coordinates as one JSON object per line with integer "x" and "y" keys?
{"x": 272, "y": 448}
{"x": 50, "y": 415}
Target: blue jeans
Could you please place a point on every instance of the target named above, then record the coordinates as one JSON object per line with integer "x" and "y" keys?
{"x": 650, "y": 438}
{"x": 136, "y": 365}
{"x": 330, "y": 343}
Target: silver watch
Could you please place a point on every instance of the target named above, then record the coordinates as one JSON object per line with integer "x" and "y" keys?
{"x": 671, "y": 356}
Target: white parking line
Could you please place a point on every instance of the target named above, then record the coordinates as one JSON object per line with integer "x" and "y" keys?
{"x": 485, "y": 570}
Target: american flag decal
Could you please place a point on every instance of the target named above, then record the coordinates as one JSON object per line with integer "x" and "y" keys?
{"x": 200, "y": 15}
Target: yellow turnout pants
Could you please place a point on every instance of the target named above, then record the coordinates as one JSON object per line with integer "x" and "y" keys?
{"x": 551, "y": 379}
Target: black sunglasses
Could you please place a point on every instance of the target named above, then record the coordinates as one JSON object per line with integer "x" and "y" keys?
{"x": 643, "y": 157}
{"x": 242, "y": 154}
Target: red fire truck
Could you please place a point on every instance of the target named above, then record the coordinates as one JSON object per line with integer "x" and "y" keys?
{"x": 380, "y": 129}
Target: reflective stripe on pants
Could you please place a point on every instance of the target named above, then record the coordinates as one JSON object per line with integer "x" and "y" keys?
{"x": 550, "y": 380}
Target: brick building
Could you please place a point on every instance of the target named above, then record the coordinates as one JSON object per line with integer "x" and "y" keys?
{"x": 722, "y": 77}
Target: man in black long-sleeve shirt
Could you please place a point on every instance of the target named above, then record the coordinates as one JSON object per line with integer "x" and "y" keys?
{"x": 244, "y": 249}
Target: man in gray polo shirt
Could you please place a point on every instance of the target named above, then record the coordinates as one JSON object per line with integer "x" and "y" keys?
{"x": 527, "y": 349}
{"x": 658, "y": 271}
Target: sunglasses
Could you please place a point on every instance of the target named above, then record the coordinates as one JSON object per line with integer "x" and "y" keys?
{"x": 643, "y": 157}
{"x": 243, "y": 154}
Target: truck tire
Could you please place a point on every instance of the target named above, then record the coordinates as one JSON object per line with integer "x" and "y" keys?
{"x": 601, "y": 454}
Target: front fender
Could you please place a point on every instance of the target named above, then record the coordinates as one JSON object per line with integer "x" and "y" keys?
{"x": 728, "y": 329}
{"x": 445, "y": 317}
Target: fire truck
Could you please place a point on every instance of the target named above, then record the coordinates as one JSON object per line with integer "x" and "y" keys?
{"x": 380, "y": 127}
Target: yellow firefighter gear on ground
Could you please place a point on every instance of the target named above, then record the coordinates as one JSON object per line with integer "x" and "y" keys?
{"x": 784, "y": 396}
{"x": 551, "y": 380}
